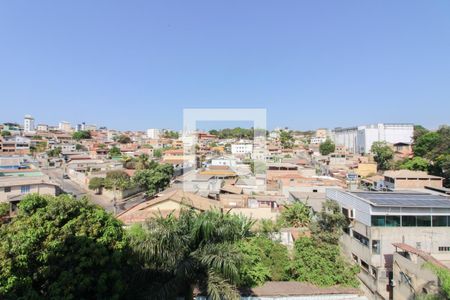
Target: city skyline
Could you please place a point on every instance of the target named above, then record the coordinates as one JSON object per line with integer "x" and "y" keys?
{"x": 134, "y": 67}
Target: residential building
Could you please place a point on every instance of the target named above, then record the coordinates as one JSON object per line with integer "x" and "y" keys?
{"x": 28, "y": 123}
{"x": 153, "y": 133}
{"x": 42, "y": 127}
{"x": 377, "y": 220}
{"x": 241, "y": 149}
{"x": 413, "y": 272}
{"x": 20, "y": 183}
{"x": 65, "y": 126}
{"x": 406, "y": 179}
{"x": 322, "y": 133}
{"x": 316, "y": 140}
{"x": 15, "y": 145}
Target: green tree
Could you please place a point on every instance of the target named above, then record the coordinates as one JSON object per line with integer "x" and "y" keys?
{"x": 444, "y": 279}
{"x": 425, "y": 144}
{"x": 286, "y": 139}
{"x": 96, "y": 183}
{"x": 122, "y": 139}
{"x": 155, "y": 179}
{"x": 54, "y": 152}
{"x": 144, "y": 162}
{"x": 117, "y": 180}
{"x": 80, "y": 147}
{"x": 382, "y": 154}
{"x": 157, "y": 153}
{"x": 329, "y": 223}
{"x": 114, "y": 152}
{"x": 5, "y": 133}
{"x": 416, "y": 164}
{"x": 62, "y": 248}
{"x": 296, "y": 215}
{"x": 193, "y": 250}
{"x": 262, "y": 259}
{"x": 321, "y": 263}
{"x": 419, "y": 130}
{"x": 81, "y": 135}
{"x": 4, "y": 209}
{"x": 327, "y": 147}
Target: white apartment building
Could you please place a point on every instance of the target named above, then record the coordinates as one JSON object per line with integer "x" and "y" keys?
{"x": 65, "y": 126}
{"x": 317, "y": 140}
{"x": 153, "y": 133}
{"x": 360, "y": 139}
{"x": 42, "y": 127}
{"x": 241, "y": 148}
{"x": 28, "y": 123}
{"x": 377, "y": 220}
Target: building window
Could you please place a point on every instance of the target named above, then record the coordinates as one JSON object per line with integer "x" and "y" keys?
{"x": 379, "y": 221}
{"x": 355, "y": 257}
{"x": 444, "y": 249}
{"x": 409, "y": 221}
{"x": 393, "y": 221}
{"x": 361, "y": 238}
{"x": 424, "y": 221}
{"x": 365, "y": 266}
{"x": 373, "y": 271}
{"x": 376, "y": 246}
{"x": 439, "y": 221}
{"x": 7, "y": 189}
{"x": 24, "y": 189}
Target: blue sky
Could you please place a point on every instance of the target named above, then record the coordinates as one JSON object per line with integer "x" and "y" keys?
{"x": 137, "y": 64}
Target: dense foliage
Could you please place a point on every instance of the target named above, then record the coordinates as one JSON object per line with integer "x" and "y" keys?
{"x": 262, "y": 259}
{"x": 321, "y": 263}
{"x": 193, "y": 250}
{"x": 327, "y": 147}
{"x": 122, "y": 139}
{"x": 4, "y": 209}
{"x": 286, "y": 139}
{"x": 155, "y": 178}
{"x": 114, "y": 152}
{"x": 234, "y": 133}
{"x": 96, "y": 183}
{"x": 54, "y": 152}
{"x": 117, "y": 180}
{"x": 81, "y": 135}
{"x": 382, "y": 154}
{"x": 61, "y": 248}
{"x": 171, "y": 134}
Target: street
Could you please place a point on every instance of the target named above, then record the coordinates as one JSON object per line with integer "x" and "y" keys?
{"x": 71, "y": 187}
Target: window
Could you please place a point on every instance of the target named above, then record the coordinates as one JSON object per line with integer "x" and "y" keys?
{"x": 373, "y": 271}
{"x": 314, "y": 191}
{"x": 361, "y": 238}
{"x": 439, "y": 221}
{"x": 355, "y": 257}
{"x": 24, "y": 189}
{"x": 409, "y": 221}
{"x": 424, "y": 221}
{"x": 364, "y": 265}
{"x": 393, "y": 221}
{"x": 379, "y": 221}
{"x": 444, "y": 249}
{"x": 376, "y": 246}
{"x": 7, "y": 189}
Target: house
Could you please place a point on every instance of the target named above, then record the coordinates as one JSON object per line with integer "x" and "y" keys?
{"x": 15, "y": 145}
{"x": 14, "y": 187}
{"x": 413, "y": 273}
{"x": 406, "y": 179}
{"x": 169, "y": 201}
{"x": 379, "y": 220}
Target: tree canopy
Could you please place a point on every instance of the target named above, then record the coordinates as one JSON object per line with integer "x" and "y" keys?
{"x": 327, "y": 147}
{"x": 81, "y": 135}
{"x": 114, "y": 152}
{"x": 154, "y": 179}
{"x": 62, "y": 248}
{"x": 286, "y": 139}
{"x": 382, "y": 154}
{"x": 233, "y": 133}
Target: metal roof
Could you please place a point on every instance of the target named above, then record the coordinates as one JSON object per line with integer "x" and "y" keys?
{"x": 395, "y": 199}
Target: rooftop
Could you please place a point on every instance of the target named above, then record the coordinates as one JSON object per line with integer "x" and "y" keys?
{"x": 398, "y": 199}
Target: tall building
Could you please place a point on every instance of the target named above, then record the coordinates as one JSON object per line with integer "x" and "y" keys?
{"x": 65, "y": 126}
{"x": 28, "y": 123}
{"x": 360, "y": 139}
{"x": 153, "y": 133}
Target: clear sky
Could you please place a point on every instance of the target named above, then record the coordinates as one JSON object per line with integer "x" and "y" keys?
{"x": 137, "y": 64}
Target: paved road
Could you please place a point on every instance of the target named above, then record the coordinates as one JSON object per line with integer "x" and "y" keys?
{"x": 76, "y": 190}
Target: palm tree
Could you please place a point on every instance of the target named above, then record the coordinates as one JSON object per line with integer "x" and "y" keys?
{"x": 195, "y": 250}
{"x": 143, "y": 162}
